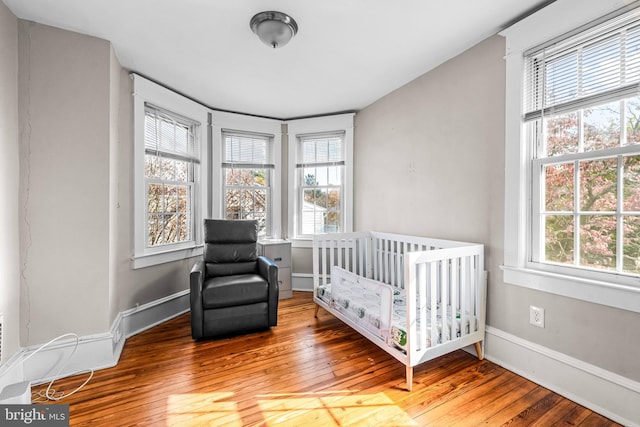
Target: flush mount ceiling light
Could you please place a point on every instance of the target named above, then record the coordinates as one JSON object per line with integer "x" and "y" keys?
{"x": 275, "y": 29}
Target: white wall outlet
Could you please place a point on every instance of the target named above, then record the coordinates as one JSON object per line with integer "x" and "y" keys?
{"x": 536, "y": 316}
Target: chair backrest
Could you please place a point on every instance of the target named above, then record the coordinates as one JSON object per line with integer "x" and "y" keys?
{"x": 230, "y": 246}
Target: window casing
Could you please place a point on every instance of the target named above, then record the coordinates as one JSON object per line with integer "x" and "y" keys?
{"x": 582, "y": 119}
{"x": 321, "y": 177}
{"x": 571, "y": 153}
{"x": 246, "y": 170}
{"x": 170, "y": 151}
{"x": 247, "y": 177}
{"x": 170, "y": 162}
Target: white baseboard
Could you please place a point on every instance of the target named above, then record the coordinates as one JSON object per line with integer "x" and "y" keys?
{"x": 302, "y": 282}
{"x": 602, "y": 391}
{"x": 93, "y": 352}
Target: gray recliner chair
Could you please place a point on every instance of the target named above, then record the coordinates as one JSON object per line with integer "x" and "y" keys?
{"x": 233, "y": 290}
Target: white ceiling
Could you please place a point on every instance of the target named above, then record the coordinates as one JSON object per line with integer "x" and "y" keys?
{"x": 347, "y": 54}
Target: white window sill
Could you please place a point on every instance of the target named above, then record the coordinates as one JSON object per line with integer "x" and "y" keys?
{"x": 622, "y": 296}
{"x": 148, "y": 260}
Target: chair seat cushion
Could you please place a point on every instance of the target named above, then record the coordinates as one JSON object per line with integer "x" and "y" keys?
{"x": 228, "y": 291}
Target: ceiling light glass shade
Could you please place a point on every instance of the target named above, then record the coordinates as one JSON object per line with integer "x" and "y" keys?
{"x": 275, "y": 29}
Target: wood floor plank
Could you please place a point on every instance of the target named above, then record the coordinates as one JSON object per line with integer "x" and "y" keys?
{"x": 306, "y": 371}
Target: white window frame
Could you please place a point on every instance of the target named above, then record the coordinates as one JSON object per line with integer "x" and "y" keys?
{"x": 319, "y": 125}
{"x": 240, "y": 123}
{"x": 553, "y": 23}
{"x": 147, "y": 92}
{"x": 268, "y": 166}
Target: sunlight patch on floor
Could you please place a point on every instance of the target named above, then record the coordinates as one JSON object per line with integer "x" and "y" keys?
{"x": 332, "y": 409}
{"x": 198, "y": 409}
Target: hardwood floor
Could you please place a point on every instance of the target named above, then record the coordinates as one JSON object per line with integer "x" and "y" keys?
{"x": 304, "y": 372}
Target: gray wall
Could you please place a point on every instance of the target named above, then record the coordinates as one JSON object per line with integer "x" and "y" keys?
{"x": 9, "y": 177}
{"x": 64, "y": 182}
{"x": 445, "y": 134}
{"x": 76, "y": 175}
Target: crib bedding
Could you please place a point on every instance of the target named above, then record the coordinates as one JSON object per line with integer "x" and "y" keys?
{"x": 364, "y": 304}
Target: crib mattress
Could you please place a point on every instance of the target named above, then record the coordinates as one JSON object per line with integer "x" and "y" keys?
{"x": 364, "y": 305}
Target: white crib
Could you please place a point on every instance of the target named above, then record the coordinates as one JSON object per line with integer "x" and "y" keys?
{"x": 416, "y": 298}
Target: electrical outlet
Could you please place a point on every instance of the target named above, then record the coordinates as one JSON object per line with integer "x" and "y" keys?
{"x": 536, "y": 316}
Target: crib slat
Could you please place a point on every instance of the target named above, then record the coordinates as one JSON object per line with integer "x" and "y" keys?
{"x": 324, "y": 262}
{"x": 464, "y": 273}
{"x": 447, "y": 323}
{"x": 455, "y": 285}
{"x": 433, "y": 282}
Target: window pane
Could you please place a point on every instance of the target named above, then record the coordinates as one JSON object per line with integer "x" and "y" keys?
{"x": 155, "y": 230}
{"x": 332, "y": 219}
{"x": 598, "y": 241}
{"x": 312, "y": 212}
{"x": 184, "y": 196}
{"x": 170, "y": 229}
{"x": 562, "y": 134}
{"x": 167, "y": 171}
{"x": 559, "y": 235}
{"x": 233, "y": 202}
{"x": 559, "y": 187}
{"x": 632, "y": 115}
{"x": 232, "y": 176}
{"x": 246, "y": 201}
{"x": 598, "y": 185}
{"x": 151, "y": 166}
{"x": 631, "y": 199}
{"x": 170, "y": 198}
{"x": 602, "y": 127}
{"x": 260, "y": 198}
{"x": 184, "y": 233}
{"x": 259, "y": 177}
{"x": 154, "y": 198}
{"x": 631, "y": 244}
{"x": 182, "y": 170}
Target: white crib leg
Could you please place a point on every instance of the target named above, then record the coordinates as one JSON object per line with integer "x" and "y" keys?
{"x": 409, "y": 376}
{"x": 478, "y": 346}
{"x": 315, "y": 313}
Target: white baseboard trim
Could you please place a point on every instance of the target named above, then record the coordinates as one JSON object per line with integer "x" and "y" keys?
{"x": 93, "y": 352}
{"x": 602, "y": 391}
{"x": 302, "y": 282}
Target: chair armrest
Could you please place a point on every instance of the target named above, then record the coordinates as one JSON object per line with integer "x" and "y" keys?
{"x": 196, "y": 282}
{"x": 269, "y": 271}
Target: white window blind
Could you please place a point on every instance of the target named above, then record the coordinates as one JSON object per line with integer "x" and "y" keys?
{"x": 321, "y": 150}
{"x": 169, "y": 134}
{"x": 596, "y": 66}
{"x": 247, "y": 150}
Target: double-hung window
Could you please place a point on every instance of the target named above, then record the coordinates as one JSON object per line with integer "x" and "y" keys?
{"x": 248, "y": 176}
{"x": 169, "y": 155}
{"x": 572, "y": 153}
{"x": 583, "y": 123}
{"x": 170, "y": 162}
{"x": 320, "y": 177}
